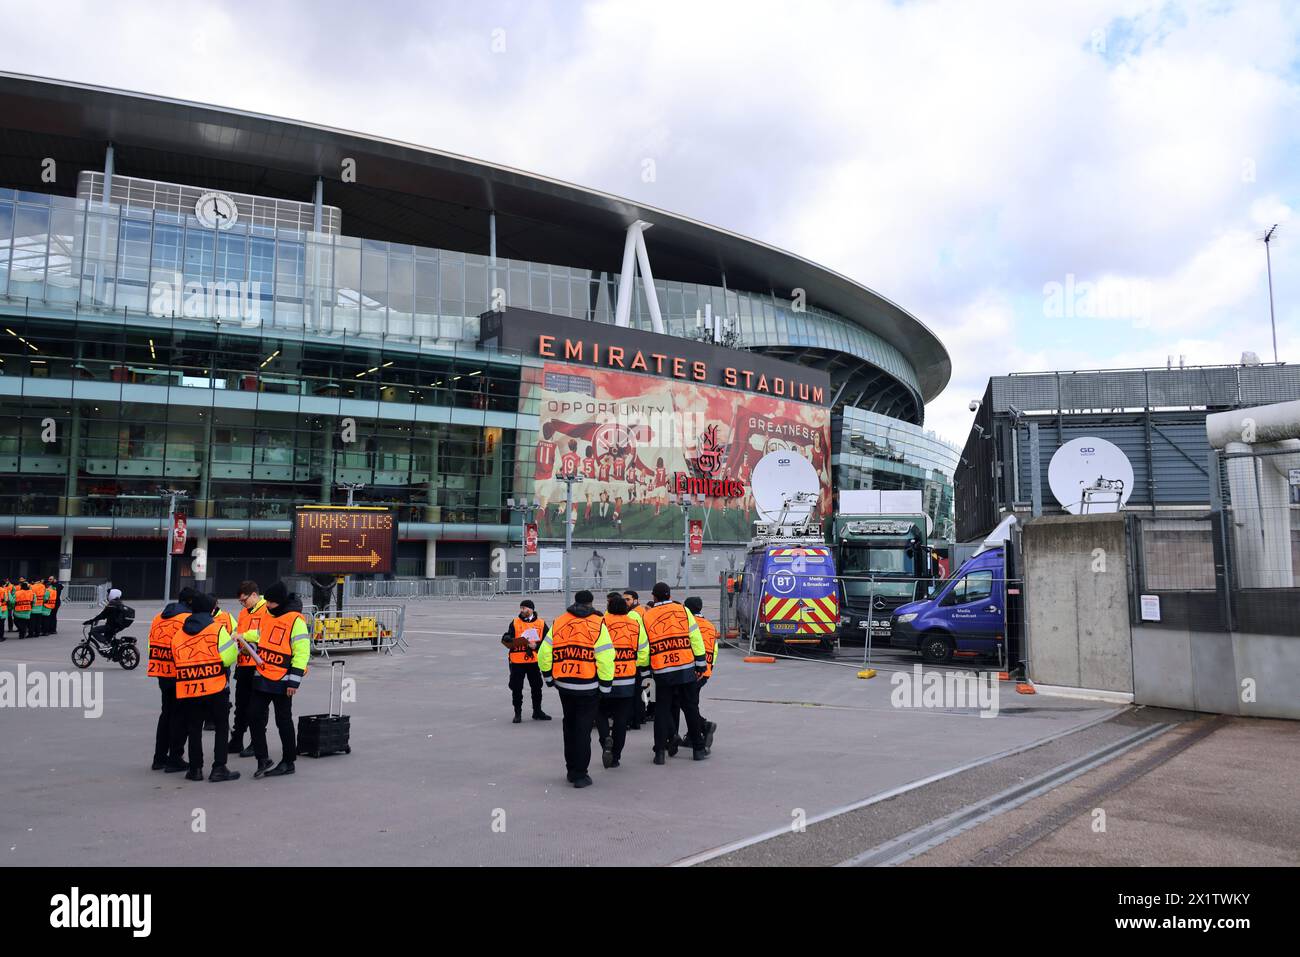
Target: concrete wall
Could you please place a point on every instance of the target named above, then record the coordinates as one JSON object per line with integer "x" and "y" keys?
{"x": 1205, "y": 671}
{"x": 1077, "y": 602}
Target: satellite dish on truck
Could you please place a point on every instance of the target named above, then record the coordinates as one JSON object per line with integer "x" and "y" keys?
{"x": 785, "y": 487}
{"x": 1090, "y": 475}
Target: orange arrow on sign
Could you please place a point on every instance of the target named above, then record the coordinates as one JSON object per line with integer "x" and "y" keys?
{"x": 373, "y": 558}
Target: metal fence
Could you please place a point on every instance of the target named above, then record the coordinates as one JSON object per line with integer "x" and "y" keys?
{"x": 971, "y": 621}
{"x": 85, "y": 593}
{"x": 364, "y": 626}
{"x": 476, "y": 588}
{"x": 1235, "y": 568}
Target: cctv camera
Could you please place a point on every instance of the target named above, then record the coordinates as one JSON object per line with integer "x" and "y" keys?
{"x": 974, "y": 405}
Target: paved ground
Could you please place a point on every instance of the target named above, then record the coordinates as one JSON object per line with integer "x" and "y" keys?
{"x": 436, "y": 762}
{"x": 1214, "y": 792}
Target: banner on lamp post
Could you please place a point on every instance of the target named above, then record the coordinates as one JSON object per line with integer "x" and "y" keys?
{"x": 530, "y": 538}
{"x": 179, "y": 533}
{"x": 697, "y": 536}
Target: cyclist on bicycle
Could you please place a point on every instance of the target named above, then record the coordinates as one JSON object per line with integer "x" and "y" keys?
{"x": 113, "y": 615}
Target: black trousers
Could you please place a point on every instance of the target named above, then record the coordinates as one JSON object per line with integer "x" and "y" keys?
{"x": 24, "y": 626}
{"x": 638, "y": 701}
{"x": 257, "y": 717}
{"x": 209, "y": 707}
{"x": 677, "y": 709}
{"x": 534, "y": 675}
{"x": 243, "y": 700}
{"x": 169, "y": 739}
{"x": 54, "y": 622}
{"x": 616, "y": 712}
{"x": 579, "y": 716}
{"x": 685, "y": 696}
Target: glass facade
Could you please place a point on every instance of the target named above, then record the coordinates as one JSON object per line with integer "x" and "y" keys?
{"x": 57, "y": 250}
{"x": 254, "y": 367}
{"x": 873, "y": 451}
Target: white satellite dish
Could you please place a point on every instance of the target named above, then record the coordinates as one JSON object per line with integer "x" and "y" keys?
{"x": 785, "y": 487}
{"x": 1090, "y": 475}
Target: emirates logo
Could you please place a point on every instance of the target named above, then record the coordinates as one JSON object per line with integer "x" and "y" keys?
{"x": 709, "y": 462}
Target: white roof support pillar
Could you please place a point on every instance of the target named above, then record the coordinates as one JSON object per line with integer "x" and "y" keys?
{"x": 634, "y": 253}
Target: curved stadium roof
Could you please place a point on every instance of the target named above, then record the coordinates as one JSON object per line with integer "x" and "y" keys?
{"x": 413, "y": 194}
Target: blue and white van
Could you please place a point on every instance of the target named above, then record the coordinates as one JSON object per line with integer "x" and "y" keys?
{"x": 966, "y": 615}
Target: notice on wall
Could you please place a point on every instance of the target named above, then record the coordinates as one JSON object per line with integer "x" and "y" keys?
{"x": 1150, "y": 607}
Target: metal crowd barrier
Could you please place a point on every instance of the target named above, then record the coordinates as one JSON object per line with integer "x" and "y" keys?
{"x": 367, "y": 626}
{"x": 460, "y": 588}
{"x": 84, "y": 593}
{"x": 837, "y": 634}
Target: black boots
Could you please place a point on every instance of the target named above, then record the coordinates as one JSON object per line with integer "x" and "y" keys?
{"x": 194, "y": 774}
{"x": 223, "y": 773}
{"x": 174, "y": 767}
{"x": 518, "y": 715}
{"x": 540, "y": 715}
{"x": 659, "y": 757}
{"x": 281, "y": 769}
{"x": 262, "y": 768}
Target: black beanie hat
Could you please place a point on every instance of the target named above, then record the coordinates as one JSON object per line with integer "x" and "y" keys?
{"x": 203, "y": 604}
{"x": 277, "y": 594}
{"x": 694, "y": 604}
{"x": 186, "y": 595}
{"x": 528, "y": 603}
{"x": 661, "y": 591}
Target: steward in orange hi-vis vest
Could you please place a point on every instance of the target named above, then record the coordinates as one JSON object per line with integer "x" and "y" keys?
{"x": 577, "y": 656}
{"x": 252, "y": 613}
{"x": 521, "y": 639}
{"x": 631, "y": 660}
{"x": 695, "y": 606}
{"x": 202, "y": 652}
{"x": 162, "y": 632}
{"x": 677, "y": 660}
{"x": 631, "y": 650}
{"x": 676, "y": 645}
{"x": 284, "y": 645}
{"x": 199, "y": 662}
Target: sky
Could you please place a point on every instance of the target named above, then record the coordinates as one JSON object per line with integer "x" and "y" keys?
{"x": 1064, "y": 185}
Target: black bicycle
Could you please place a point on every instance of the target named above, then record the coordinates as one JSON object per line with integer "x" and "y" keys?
{"x": 119, "y": 648}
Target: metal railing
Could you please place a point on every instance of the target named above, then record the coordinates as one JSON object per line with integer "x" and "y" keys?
{"x": 976, "y": 624}
{"x": 358, "y": 626}
{"x": 462, "y": 588}
{"x": 85, "y": 593}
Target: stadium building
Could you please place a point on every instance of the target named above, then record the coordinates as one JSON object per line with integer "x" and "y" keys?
{"x": 257, "y": 313}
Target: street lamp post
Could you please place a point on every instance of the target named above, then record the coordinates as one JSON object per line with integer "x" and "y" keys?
{"x": 525, "y": 510}
{"x": 352, "y": 488}
{"x": 685, "y": 505}
{"x": 172, "y": 495}
{"x": 341, "y": 581}
{"x": 569, "y": 481}
{"x": 1268, "y": 261}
